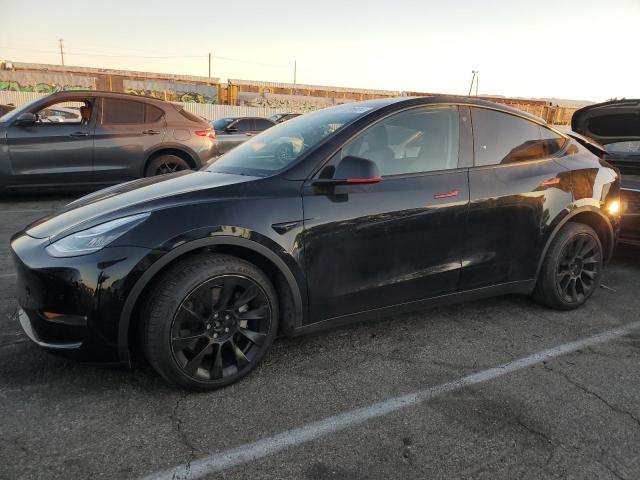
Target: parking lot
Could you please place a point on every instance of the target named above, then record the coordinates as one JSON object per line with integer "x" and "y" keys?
{"x": 575, "y": 414}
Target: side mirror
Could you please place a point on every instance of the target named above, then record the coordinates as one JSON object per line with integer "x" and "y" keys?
{"x": 352, "y": 170}
{"x": 26, "y": 120}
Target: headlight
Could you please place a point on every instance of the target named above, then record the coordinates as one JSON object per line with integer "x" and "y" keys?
{"x": 94, "y": 238}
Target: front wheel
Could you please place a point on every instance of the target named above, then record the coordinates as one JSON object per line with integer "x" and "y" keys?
{"x": 572, "y": 268}
{"x": 209, "y": 321}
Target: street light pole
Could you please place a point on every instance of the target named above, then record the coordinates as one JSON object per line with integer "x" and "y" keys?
{"x": 473, "y": 77}
{"x": 61, "y": 52}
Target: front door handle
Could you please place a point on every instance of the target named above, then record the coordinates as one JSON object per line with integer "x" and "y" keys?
{"x": 452, "y": 193}
{"x": 78, "y": 134}
{"x": 150, "y": 132}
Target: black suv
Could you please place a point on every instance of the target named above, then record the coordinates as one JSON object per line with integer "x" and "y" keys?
{"x": 103, "y": 138}
{"x": 379, "y": 207}
{"x": 616, "y": 125}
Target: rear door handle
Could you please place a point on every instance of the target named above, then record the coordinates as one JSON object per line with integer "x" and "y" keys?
{"x": 78, "y": 134}
{"x": 452, "y": 193}
{"x": 150, "y": 132}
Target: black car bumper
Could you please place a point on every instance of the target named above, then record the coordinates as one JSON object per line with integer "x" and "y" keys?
{"x": 72, "y": 306}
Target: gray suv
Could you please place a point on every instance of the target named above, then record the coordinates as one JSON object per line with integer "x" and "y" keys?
{"x": 106, "y": 138}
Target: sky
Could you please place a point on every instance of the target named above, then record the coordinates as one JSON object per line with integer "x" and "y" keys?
{"x": 576, "y": 49}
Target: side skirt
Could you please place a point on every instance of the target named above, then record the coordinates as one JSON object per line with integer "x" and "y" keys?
{"x": 523, "y": 286}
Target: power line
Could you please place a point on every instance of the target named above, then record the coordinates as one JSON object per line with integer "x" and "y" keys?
{"x": 115, "y": 55}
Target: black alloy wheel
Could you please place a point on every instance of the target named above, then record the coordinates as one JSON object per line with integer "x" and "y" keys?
{"x": 209, "y": 320}
{"x": 578, "y": 268}
{"x": 572, "y": 268}
{"x": 220, "y": 327}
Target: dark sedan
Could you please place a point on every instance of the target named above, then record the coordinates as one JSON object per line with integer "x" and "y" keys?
{"x": 381, "y": 207}
{"x": 616, "y": 125}
{"x": 232, "y": 131}
{"x": 90, "y": 139}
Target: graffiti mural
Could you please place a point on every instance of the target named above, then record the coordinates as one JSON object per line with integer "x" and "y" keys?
{"x": 294, "y": 103}
{"x": 38, "y": 82}
{"x": 8, "y": 86}
{"x": 173, "y": 91}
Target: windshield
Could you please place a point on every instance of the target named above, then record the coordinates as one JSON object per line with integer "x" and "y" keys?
{"x": 279, "y": 146}
{"x": 222, "y": 123}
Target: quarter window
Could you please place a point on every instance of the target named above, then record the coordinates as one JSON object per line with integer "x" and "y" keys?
{"x": 417, "y": 140}
{"x": 503, "y": 138}
{"x": 153, "y": 114}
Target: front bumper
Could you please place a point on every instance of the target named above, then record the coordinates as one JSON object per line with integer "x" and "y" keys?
{"x": 72, "y": 306}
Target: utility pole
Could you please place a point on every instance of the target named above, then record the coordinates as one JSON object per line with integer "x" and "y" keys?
{"x": 61, "y": 52}
{"x": 473, "y": 77}
{"x": 209, "y": 66}
{"x": 295, "y": 71}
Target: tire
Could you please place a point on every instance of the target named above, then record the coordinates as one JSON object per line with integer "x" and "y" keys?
{"x": 209, "y": 321}
{"x": 572, "y": 269}
{"x": 166, "y": 164}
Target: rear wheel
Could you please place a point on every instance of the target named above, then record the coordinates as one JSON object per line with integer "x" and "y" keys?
{"x": 210, "y": 321}
{"x": 572, "y": 268}
{"x": 166, "y": 164}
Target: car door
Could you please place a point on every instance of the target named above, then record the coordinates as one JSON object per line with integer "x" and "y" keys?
{"x": 53, "y": 152}
{"x": 518, "y": 185}
{"x": 396, "y": 241}
{"x": 126, "y": 132}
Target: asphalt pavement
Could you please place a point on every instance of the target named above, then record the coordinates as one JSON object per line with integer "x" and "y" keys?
{"x": 573, "y": 414}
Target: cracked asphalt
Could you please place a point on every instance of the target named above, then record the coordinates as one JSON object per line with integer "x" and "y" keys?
{"x": 576, "y": 416}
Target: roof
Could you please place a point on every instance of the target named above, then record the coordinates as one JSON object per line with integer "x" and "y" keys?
{"x": 104, "y": 93}
{"x": 452, "y": 99}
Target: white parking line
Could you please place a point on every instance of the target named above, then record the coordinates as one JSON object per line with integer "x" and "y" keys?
{"x": 268, "y": 446}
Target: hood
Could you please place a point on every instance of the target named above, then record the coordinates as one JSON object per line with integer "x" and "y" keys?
{"x": 130, "y": 198}
{"x": 609, "y": 122}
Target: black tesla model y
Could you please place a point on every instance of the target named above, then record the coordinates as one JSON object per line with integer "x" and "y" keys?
{"x": 375, "y": 208}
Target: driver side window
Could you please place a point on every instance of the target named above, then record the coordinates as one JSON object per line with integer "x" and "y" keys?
{"x": 63, "y": 112}
{"x": 413, "y": 141}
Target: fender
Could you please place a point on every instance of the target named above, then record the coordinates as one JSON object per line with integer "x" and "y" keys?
{"x": 172, "y": 146}
{"x": 567, "y": 218}
{"x": 149, "y": 274}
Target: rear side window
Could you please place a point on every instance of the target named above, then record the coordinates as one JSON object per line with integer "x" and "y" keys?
{"x": 500, "y": 138}
{"x": 262, "y": 124}
{"x": 116, "y": 111}
{"x": 551, "y": 141}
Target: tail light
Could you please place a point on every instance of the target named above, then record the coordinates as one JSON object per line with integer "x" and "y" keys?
{"x": 210, "y": 134}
